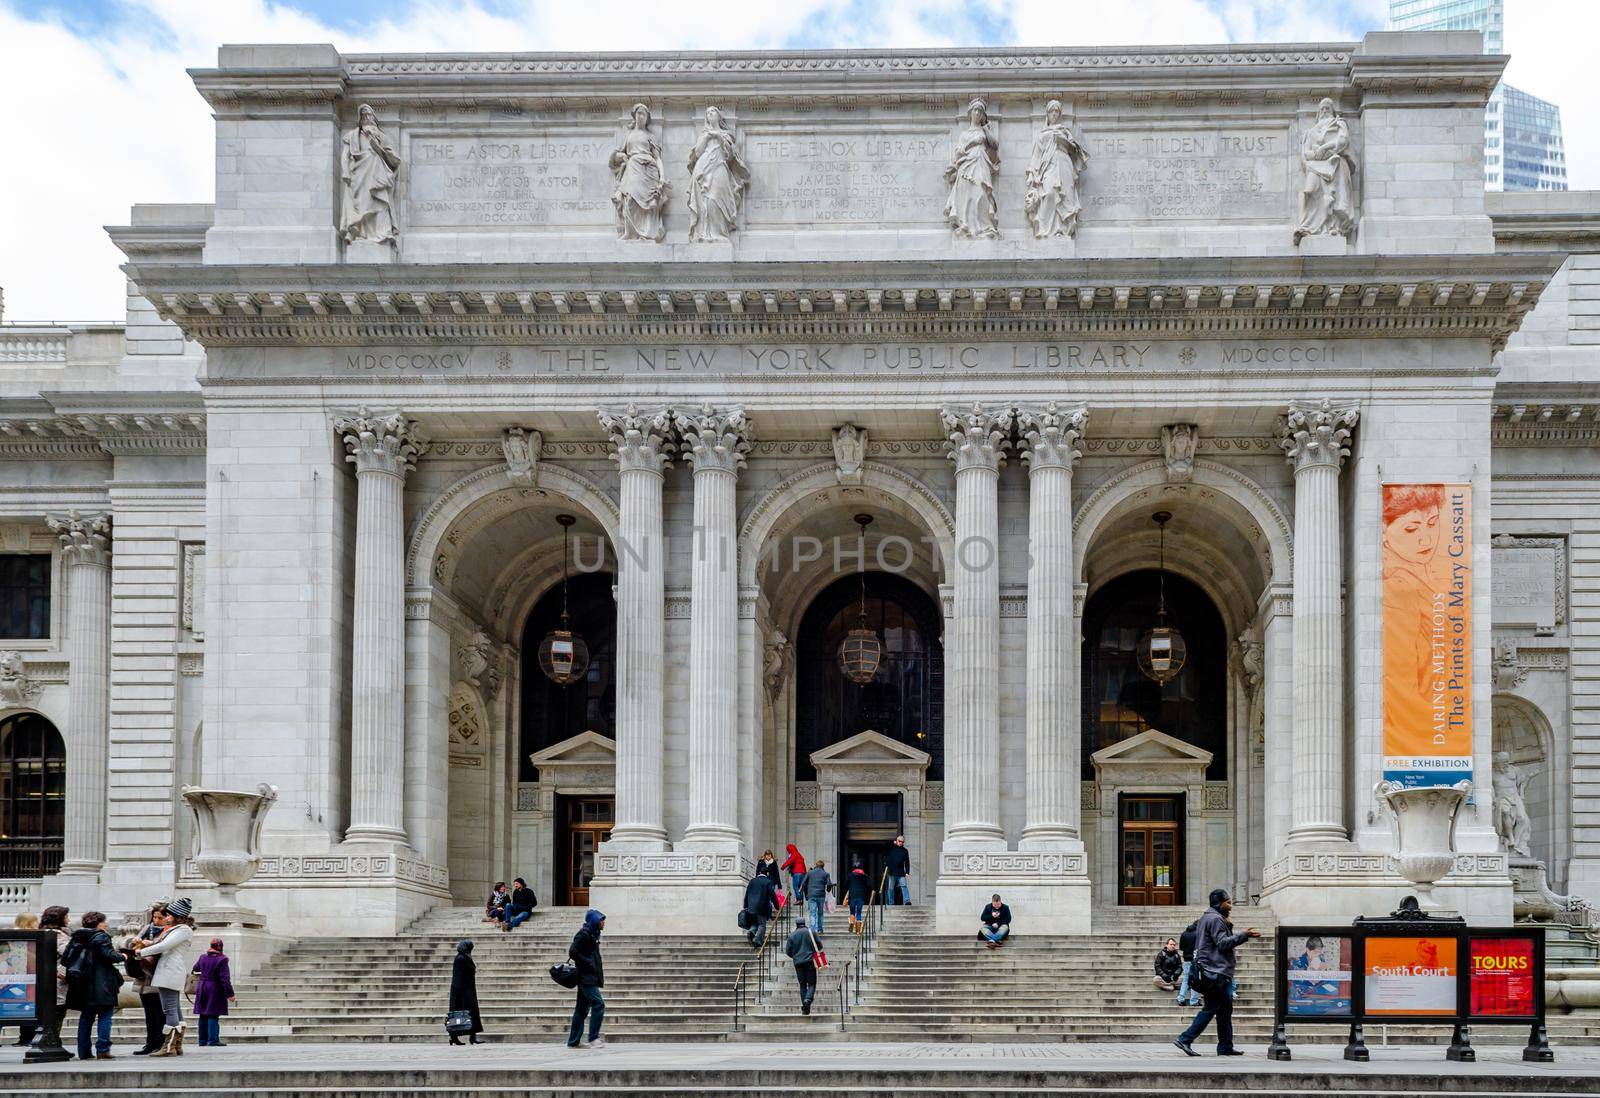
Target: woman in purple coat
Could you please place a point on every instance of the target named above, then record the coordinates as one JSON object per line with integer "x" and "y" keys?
{"x": 213, "y": 993}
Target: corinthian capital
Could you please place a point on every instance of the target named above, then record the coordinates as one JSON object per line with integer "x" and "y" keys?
{"x": 381, "y": 442}
{"x": 85, "y": 539}
{"x": 976, "y": 437}
{"x": 713, "y": 440}
{"x": 638, "y": 439}
{"x": 1050, "y": 435}
{"x": 1319, "y": 434}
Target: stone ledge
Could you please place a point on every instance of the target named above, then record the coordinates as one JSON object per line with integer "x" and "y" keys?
{"x": 973, "y": 866}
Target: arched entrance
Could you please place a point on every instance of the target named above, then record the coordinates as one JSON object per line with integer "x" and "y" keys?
{"x": 33, "y": 783}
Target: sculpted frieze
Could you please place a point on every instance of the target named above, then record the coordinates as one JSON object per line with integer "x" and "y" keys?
{"x": 718, "y": 178}
{"x": 973, "y": 171}
{"x": 1054, "y": 166}
{"x": 640, "y": 198}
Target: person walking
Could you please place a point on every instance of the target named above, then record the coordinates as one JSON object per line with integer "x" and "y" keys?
{"x": 171, "y": 952}
{"x": 802, "y": 950}
{"x": 858, "y": 886}
{"x": 94, "y": 977}
{"x": 1213, "y": 974}
{"x": 817, "y": 886}
{"x": 519, "y": 909}
{"x": 585, "y": 956}
{"x": 1169, "y": 966}
{"x": 149, "y": 994}
{"x": 54, "y": 918}
{"x": 898, "y": 864}
{"x": 464, "y": 990}
{"x": 212, "y": 993}
{"x": 1187, "y": 996}
{"x": 795, "y": 866}
{"x": 760, "y": 907}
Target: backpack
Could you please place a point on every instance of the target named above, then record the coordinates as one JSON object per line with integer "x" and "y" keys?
{"x": 78, "y": 963}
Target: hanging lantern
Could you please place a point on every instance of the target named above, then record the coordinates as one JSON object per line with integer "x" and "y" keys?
{"x": 563, "y": 655}
{"x": 1162, "y": 651}
{"x": 862, "y": 651}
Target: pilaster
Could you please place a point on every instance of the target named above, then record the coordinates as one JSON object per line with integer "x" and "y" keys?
{"x": 86, "y": 551}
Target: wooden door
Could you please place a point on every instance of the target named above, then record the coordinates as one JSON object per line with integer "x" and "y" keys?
{"x": 586, "y": 823}
{"x": 1151, "y": 851}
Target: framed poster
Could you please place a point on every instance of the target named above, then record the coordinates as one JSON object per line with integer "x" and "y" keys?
{"x": 1427, "y": 633}
{"x": 1319, "y": 976}
{"x": 1502, "y": 983}
{"x": 1410, "y": 976}
{"x": 19, "y": 980}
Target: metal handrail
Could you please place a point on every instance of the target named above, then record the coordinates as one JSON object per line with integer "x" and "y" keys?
{"x": 844, "y": 984}
{"x": 759, "y": 961}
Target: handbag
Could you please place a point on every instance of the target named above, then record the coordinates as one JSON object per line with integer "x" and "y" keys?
{"x": 744, "y": 919}
{"x": 458, "y": 1023}
{"x": 191, "y": 984}
{"x": 564, "y": 974}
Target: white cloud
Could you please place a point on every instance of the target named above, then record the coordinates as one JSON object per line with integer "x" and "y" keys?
{"x": 96, "y": 121}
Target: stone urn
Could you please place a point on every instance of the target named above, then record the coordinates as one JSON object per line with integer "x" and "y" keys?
{"x": 228, "y": 823}
{"x": 1425, "y": 817}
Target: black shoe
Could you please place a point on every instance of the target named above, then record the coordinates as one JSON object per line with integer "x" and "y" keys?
{"x": 1229, "y": 1052}
{"x": 1181, "y": 1043}
{"x": 454, "y": 1040}
{"x": 473, "y": 1040}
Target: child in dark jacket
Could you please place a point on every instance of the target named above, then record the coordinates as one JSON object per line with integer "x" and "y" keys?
{"x": 213, "y": 993}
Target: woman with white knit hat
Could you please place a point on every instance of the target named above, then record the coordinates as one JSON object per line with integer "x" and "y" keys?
{"x": 172, "y": 952}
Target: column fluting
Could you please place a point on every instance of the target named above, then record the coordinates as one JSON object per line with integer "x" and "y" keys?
{"x": 639, "y": 447}
{"x": 383, "y": 448}
{"x": 86, "y": 552}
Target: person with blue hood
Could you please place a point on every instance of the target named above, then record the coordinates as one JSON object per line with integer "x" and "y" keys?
{"x": 585, "y": 956}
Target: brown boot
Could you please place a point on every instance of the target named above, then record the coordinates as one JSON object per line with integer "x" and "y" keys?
{"x": 169, "y": 1039}
{"x": 177, "y": 1041}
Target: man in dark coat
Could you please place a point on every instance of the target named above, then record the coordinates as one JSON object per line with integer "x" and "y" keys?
{"x": 898, "y": 863}
{"x": 519, "y": 909}
{"x": 464, "y": 990}
{"x": 1169, "y": 966}
{"x": 1187, "y": 996}
{"x": 760, "y": 905}
{"x": 996, "y": 920}
{"x": 802, "y": 950}
{"x": 585, "y": 955}
{"x": 1213, "y": 969}
{"x": 94, "y": 976}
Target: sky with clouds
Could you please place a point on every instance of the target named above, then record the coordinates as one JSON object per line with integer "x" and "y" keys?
{"x": 98, "y": 113}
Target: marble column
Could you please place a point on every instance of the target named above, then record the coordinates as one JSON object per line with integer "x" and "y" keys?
{"x": 715, "y": 443}
{"x": 383, "y": 448}
{"x": 86, "y": 552}
{"x": 1316, "y": 439}
{"x": 639, "y": 442}
{"x": 1049, "y": 446}
{"x": 976, "y": 442}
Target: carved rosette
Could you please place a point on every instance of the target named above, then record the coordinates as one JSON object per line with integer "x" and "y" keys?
{"x": 976, "y": 438}
{"x": 1050, "y": 435}
{"x": 638, "y": 440}
{"x": 714, "y": 441}
{"x": 1320, "y": 435}
{"x": 85, "y": 539}
{"x": 380, "y": 443}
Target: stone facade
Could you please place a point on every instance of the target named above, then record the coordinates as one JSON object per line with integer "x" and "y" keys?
{"x": 1007, "y": 303}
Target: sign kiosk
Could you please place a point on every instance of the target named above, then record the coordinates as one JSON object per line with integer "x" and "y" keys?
{"x": 1413, "y": 968}
{"x": 28, "y": 990}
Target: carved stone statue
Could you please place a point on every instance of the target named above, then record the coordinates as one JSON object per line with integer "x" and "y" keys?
{"x": 718, "y": 179}
{"x": 15, "y": 686}
{"x": 849, "y": 453}
{"x": 1057, "y": 160}
{"x": 641, "y": 195}
{"x": 1511, "y": 820}
{"x": 1328, "y": 194}
{"x": 1178, "y": 443}
{"x": 972, "y": 173}
{"x": 475, "y": 656}
{"x": 521, "y": 448}
{"x": 368, "y": 168}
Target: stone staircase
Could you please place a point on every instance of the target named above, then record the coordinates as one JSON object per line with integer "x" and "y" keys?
{"x": 918, "y": 987}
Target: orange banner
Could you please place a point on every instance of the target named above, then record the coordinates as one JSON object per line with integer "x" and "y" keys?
{"x": 1427, "y": 633}
{"x": 1411, "y": 976}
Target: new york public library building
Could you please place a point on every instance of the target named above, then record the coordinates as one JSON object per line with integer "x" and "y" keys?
{"x": 1103, "y": 467}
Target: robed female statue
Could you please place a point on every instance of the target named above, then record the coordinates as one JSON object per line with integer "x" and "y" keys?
{"x": 718, "y": 179}
{"x": 972, "y": 173}
{"x": 1054, "y": 165}
{"x": 640, "y": 197}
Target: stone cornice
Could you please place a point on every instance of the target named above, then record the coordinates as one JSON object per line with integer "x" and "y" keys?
{"x": 1546, "y": 423}
{"x": 1480, "y": 296}
{"x": 90, "y": 425}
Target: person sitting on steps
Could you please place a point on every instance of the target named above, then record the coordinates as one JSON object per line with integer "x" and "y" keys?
{"x": 1169, "y": 966}
{"x": 519, "y": 909}
{"x": 494, "y": 911}
{"x": 996, "y": 919}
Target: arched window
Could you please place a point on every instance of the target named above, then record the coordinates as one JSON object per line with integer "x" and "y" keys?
{"x": 33, "y": 780}
{"x": 1119, "y": 701}
{"x": 904, "y": 702}
{"x": 552, "y": 713}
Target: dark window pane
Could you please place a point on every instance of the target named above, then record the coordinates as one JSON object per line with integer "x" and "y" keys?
{"x": 24, "y": 596}
{"x": 33, "y": 781}
{"x": 552, "y": 713}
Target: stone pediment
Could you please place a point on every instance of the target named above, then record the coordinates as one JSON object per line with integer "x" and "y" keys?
{"x": 1152, "y": 748}
{"x": 587, "y": 750}
{"x": 869, "y": 748}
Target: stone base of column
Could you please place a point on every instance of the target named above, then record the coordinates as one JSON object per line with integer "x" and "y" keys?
{"x": 387, "y": 836}
{"x": 676, "y": 893}
{"x": 1334, "y": 887}
{"x": 76, "y": 891}
{"x": 635, "y": 842}
{"x": 1047, "y": 891}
